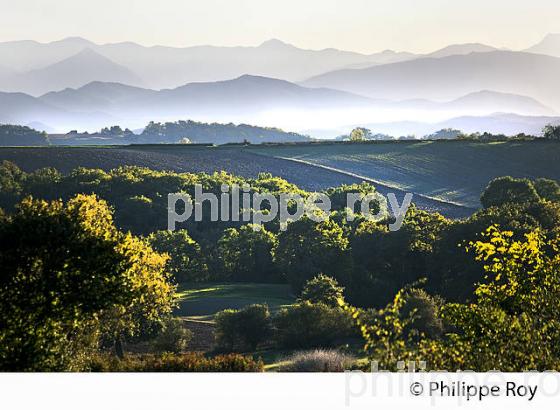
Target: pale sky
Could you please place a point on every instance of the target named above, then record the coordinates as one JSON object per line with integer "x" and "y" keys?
{"x": 359, "y": 25}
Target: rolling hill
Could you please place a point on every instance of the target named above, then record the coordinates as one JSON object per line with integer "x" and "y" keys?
{"x": 454, "y": 171}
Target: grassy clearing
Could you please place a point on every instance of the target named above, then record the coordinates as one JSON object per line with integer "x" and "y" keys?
{"x": 455, "y": 171}
{"x": 201, "y": 301}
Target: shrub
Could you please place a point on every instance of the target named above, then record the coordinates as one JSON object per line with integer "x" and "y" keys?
{"x": 508, "y": 190}
{"x": 173, "y": 338}
{"x": 547, "y": 189}
{"x": 322, "y": 289}
{"x": 321, "y": 360}
{"x": 311, "y": 325}
{"x": 339, "y": 197}
{"x": 424, "y": 310}
{"x": 170, "y": 362}
{"x": 245, "y": 328}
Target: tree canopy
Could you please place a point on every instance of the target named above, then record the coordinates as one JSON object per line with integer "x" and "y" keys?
{"x": 70, "y": 277}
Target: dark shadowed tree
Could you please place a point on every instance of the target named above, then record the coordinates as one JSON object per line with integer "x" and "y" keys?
{"x": 552, "y": 132}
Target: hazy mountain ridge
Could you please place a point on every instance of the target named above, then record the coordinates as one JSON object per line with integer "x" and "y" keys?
{"x": 532, "y": 75}
{"x": 461, "y": 49}
{"x": 243, "y": 94}
{"x": 95, "y": 86}
{"x": 242, "y": 99}
{"x": 499, "y": 123}
{"x": 550, "y": 45}
{"x": 23, "y": 109}
{"x": 487, "y": 100}
{"x": 168, "y": 67}
{"x": 101, "y": 104}
{"x": 75, "y": 71}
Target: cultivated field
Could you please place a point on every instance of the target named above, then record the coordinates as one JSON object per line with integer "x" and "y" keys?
{"x": 444, "y": 176}
{"x": 243, "y": 161}
{"x": 451, "y": 171}
{"x": 236, "y": 160}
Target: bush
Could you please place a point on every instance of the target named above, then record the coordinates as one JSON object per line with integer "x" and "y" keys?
{"x": 312, "y": 325}
{"x": 170, "y": 362}
{"x": 173, "y": 338}
{"x": 245, "y": 328}
{"x": 320, "y": 360}
{"x": 424, "y": 309}
{"x": 547, "y": 189}
{"x": 322, "y": 289}
{"x": 505, "y": 190}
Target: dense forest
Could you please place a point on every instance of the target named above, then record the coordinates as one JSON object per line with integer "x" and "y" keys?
{"x": 474, "y": 293}
{"x": 214, "y": 133}
{"x": 180, "y": 132}
{"x": 16, "y": 135}
{"x": 193, "y": 132}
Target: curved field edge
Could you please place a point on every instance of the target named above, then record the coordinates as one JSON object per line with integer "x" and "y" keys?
{"x": 451, "y": 171}
{"x": 244, "y": 161}
{"x": 379, "y": 185}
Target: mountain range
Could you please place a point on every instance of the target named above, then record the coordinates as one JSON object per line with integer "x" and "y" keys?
{"x": 243, "y": 99}
{"x": 77, "y": 84}
{"x": 522, "y": 73}
{"x": 36, "y": 68}
{"x": 168, "y": 67}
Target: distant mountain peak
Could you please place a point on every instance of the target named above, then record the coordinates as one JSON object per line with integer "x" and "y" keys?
{"x": 76, "y": 41}
{"x": 462, "y": 49}
{"x": 549, "y": 45}
{"x": 552, "y": 36}
{"x": 275, "y": 43}
{"x": 88, "y": 56}
{"x": 89, "y": 52}
{"x": 252, "y": 77}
